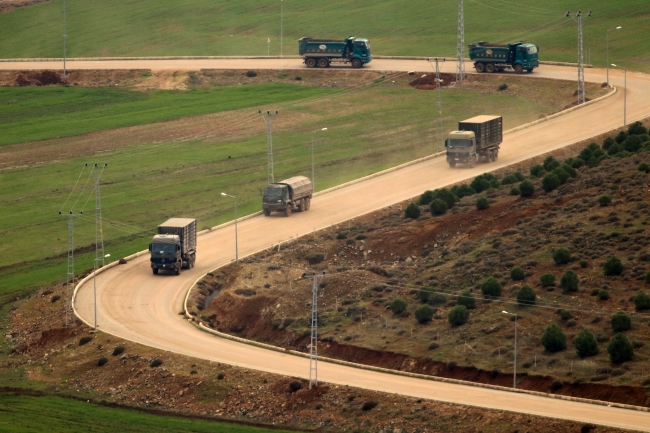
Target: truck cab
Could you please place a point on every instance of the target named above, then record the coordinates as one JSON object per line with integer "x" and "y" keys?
{"x": 359, "y": 49}
{"x": 461, "y": 147}
{"x": 275, "y": 197}
{"x": 166, "y": 253}
{"x": 526, "y": 56}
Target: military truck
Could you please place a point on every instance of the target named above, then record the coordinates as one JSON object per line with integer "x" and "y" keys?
{"x": 323, "y": 52}
{"x": 288, "y": 194}
{"x": 174, "y": 247}
{"x": 489, "y": 57}
{"x": 476, "y": 138}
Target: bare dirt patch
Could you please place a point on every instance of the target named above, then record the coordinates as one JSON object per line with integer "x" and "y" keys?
{"x": 7, "y": 5}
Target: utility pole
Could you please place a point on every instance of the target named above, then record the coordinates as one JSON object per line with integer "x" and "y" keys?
{"x": 268, "y": 119}
{"x": 64, "y": 42}
{"x": 607, "y": 49}
{"x": 438, "y": 102}
{"x": 281, "y": 24}
{"x": 460, "y": 49}
{"x": 313, "y": 342}
{"x": 581, "y": 69}
{"x": 99, "y": 233}
{"x": 69, "y": 288}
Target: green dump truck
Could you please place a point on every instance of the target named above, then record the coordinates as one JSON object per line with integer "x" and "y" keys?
{"x": 323, "y": 52}
{"x": 489, "y": 57}
{"x": 174, "y": 247}
{"x": 284, "y": 196}
{"x": 476, "y": 138}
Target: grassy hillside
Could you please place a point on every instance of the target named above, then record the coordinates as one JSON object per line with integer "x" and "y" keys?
{"x": 206, "y": 27}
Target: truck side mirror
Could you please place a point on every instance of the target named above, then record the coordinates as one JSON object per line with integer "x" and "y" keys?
{"x": 178, "y": 247}
{"x": 150, "y": 247}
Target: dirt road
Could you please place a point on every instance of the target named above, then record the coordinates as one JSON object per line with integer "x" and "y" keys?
{"x": 136, "y": 305}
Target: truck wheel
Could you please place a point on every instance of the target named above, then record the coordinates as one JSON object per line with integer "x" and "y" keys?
{"x": 452, "y": 164}
{"x": 301, "y": 206}
{"x": 287, "y": 211}
{"x": 519, "y": 69}
{"x": 480, "y": 68}
{"x": 323, "y": 63}
{"x": 155, "y": 271}
{"x": 178, "y": 270}
{"x": 310, "y": 62}
{"x": 307, "y": 203}
{"x": 472, "y": 162}
{"x": 496, "y": 154}
{"x": 356, "y": 63}
{"x": 267, "y": 212}
{"x": 489, "y": 68}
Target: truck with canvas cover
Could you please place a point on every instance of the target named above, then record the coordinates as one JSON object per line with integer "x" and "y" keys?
{"x": 476, "y": 138}
{"x": 323, "y": 52}
{"x": 284, "y": 196}
{"x": 489, "y": 57}
{"x": 174, "y": 247}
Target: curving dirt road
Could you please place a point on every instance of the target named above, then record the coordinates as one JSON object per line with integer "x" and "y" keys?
{"x": 138, "y": 306}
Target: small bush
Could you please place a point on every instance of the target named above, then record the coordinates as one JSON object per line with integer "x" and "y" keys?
{"x": 614, "y": 149}
{"x": 551, "y": 164}
{"x": 437, "y": 299}
{"x": 527, "y": 188}
{"x": 118, "y": 350}
{"x": 621, "y": 322}
{"x": 561, "y": 256}
{"x": 584, "y": 263}
{"x": 398, "y": 305}
{"x": 603, "y": 295}
{"x": 604, "y": 200}
{"x": 632, "y": 143}
{"x": 445, "y": 195}
{"x": 102, "y": 362}
{"x": 459, "y": 315}
{"x": 298, "y": 78}
{"x": 314, "y": 258}
{"x": 85, "y": 340}
{"x": 537, "y": 170}
{"x": 510, "y": 179}
{"x": 491, "y": 287}
{"x": 637, "y": 128}
{"x": 369, "y": 405}
{"x": 461, "y": 191}
{"x": 557, "y": 384}
{"x": 586, "y": 344}
{"x": 621, "y": 137}
{"x": 483, "y": 182}
{"x": 425, "y": 293}
{"x": 503, "y": 86}
{"x": 433, "y": 346}
{"x": 642, "y": 301}
{"x": 295, "y": 385}
{"x": 426, "y": 198}
{"x": 565, "y": 315}
{"x": 482, "y": 203}
{"x": 341, "y": 235}
{"x": 424, "y": 314}
{"x": 55, "y": 298}
{"x": 644, "y": 167}
{"x": 547, "y": 280}
{"x": 608, "y": 143}
{"x": 412, "y": 211}
{"x": 251, "y": 74}
{"x": 620, "y": 349}
{"x": 517, "y": 274}
{"x": 514, "y": 191}
{"x": 553, "y": 339}
{"x": 526, "y": 296}
{"x": 221, "y": 376}
{"x": 466, "y": 299}
{"x": 561, "y": 174}
{"x": 438, "y": 207}
{"x": 550, "y": 182}
{"x": 569, "y": 281}
{"x": 156, "y": 363}
{"x": 613, "y": 266}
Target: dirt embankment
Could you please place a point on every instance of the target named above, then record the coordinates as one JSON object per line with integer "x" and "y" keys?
{"x": 7, "y": 5}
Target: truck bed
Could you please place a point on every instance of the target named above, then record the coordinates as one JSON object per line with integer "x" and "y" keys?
{"x": 487, "y": 129}
{"x": 185, "y": 228}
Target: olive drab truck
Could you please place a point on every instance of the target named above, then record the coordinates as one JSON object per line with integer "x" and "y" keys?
{"x": 174, "y": 247}
{"x": 477, "y": 138}
{"x": 286, "y": 195}
{"x": 323, "y": 52}
{"x": 490, "y": 58}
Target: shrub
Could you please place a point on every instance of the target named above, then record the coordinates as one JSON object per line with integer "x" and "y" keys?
{"x": 526, "y": 296}
{"x": 551, "y": 164}
{"x": 423, "y": 314}
{"x": 298, "y": 78}
{"x": 412, "y": 211}
{"x": 586, "y": 344}
{"x": 156, "y": 363}
{"x": 608, "y": 143}
{"x": 620, "y": 349}
{"x": 569, "y": 281}
{"x": 251, "y": 74}
{"x": 550, "y": 182}
{"x": 55, "y": 298}
{"x": 425, "y": 293}
{"x": 577, "y": 163}
{"x": 398, "y": 305}
{"x": 85, "y": 340}
{"x": 221, "y": 376}
{"x": 314, "y": 258}
{"x": 569, "y": 170}
{"x": 584, "y": 263}
{"x": 537, "y": 170}
{"x": 561, "y": 256}
{"x": 503, "y": 86}
{"x": 557, "y": 384}
{"x": 527, "y": 188}
{"x": 438, "y": 207}
{"x": 561, "y": 174}
{"x": 458, "y": 315}
{"x": 466, "y": 299}
{"x": 514, "y": 191}
{"x": 553, "y": 339}
{"x": 621, "y": 137}
{"x": 642, "y": 301}
{"x": 369, "y": 405}
{"x": 647, "y": 278}
{"x": 102, "y": 362}
{"x": 510, "y": 179}
{"x": 295, "y": 385}
{"x": 565, "y": 315}
{"x": 437, "y": 299}
{"x": 118, "y": 350}
{"x": 482, "y": 203}
{"x": 637, "y": 128}
{"x": 632, "y": 143}
{"x": 644, "y": 167}
{"x": 341, "y": 235}
{"x": 586, "y": 153}
{"x": 614, "y": 149}
{"x": 603, "y": 295}
{"x": 613, "y": 266}
{"x": 445, "y": 195}
{"x": 547, "y": 280}
{"x": 517, "y": 274}
{"x": 483, "y": 182}
{"x": 604, "y": 200}
{"x": 621, "y": 322}
{"x": 461, "y": 191}
{"x": 491, "y": 287}
{"x": 426, "y": 197}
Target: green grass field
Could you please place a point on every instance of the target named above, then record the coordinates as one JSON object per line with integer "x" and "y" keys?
{"x": 27, "y": 414}
{"x": 207, "y": 27}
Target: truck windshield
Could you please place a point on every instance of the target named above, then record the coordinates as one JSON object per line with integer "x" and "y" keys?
{"x": 274, "y": 192}
{"x": 454, "y": 143}
{"x": 163, "y": 248}
{"x": 532, "y": 50}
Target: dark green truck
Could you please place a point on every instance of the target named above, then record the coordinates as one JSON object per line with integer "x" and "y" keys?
{"x": 323, "y": 52}
{"x": 490, "y": 58}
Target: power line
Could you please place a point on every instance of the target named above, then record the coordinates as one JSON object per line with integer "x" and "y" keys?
{"x": 73, "y": 188}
